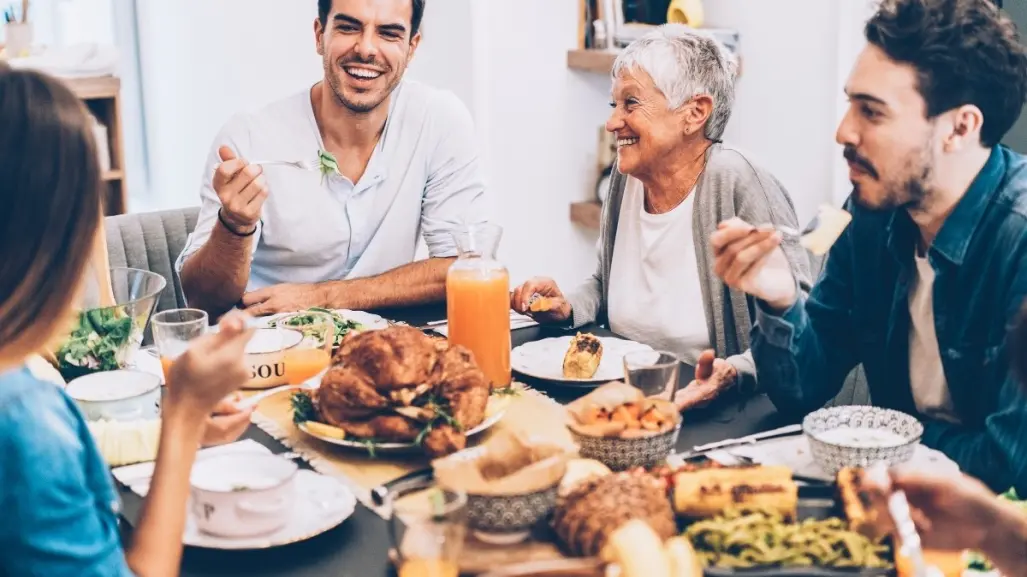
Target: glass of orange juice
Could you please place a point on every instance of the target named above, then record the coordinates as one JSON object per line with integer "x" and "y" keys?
{"x": 427, "y": 525}
{"x": 313, "y": 353}
{"x": 478, "y": 300}
{"x": 172, "y": 331}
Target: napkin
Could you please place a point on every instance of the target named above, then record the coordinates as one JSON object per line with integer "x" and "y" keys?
{"x": 137, "y": 477}
{"x": 517, "y": 321}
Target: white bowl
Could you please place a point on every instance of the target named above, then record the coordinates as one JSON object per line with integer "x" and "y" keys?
{"x": 122, "y": 395}
{"x": 242, "y": 495}
{"x": 860, "y": 436}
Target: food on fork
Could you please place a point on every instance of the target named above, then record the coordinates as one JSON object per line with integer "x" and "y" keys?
{"x": 830, "y": 223}
{"x": 618, "y": 409}
{"x": 582, "y": 358}
{"x": 856, "y": 503}
{"x": 710, "y": 491}
{"x": 539, "y": 304}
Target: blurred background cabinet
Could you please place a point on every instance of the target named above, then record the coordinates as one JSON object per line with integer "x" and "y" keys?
{"x": 102, "y": 95}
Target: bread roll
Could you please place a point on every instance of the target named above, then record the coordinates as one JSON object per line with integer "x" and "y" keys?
{"x": 582, "y": 358}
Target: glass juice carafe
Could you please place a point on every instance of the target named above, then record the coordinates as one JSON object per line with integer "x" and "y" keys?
{"x": 478, "y": 300}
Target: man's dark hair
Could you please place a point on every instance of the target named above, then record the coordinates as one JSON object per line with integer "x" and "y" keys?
{"x": 964, "y": 51}
{"x": 325, "y": 6}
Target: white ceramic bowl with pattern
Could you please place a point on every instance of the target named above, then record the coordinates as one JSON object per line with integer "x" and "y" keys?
{"x": 860, "y": 436}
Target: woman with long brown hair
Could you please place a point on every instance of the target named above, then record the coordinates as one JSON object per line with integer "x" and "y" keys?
{"x": 60, "y": 508}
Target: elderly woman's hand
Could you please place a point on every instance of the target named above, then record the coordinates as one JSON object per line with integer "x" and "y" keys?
{"x": 549, "y": 306}
{"x": 712, "y": 377}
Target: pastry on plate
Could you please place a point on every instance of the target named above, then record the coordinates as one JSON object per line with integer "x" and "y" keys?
{"x": 582, "y": 358}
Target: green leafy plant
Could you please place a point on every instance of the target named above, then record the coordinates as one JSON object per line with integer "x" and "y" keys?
{"x": 327, "y": 163}
{"x": 510, "y": 391}
{"x": 303, "y": 409}
{"x": 96, "y": 343}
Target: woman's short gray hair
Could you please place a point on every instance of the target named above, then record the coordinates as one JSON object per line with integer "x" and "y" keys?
{"x": 684, "y": 63}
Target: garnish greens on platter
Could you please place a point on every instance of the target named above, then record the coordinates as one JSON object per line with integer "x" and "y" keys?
{"x": 343, "y": 326}
{"x": 327, "y": 164}
{"x": 396, "y": 389}
{"x": 95, "y": 344}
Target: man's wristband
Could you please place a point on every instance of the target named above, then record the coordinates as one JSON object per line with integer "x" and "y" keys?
{"x": 229, "y": 228}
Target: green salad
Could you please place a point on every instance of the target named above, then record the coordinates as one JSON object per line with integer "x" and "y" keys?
{"x": 96, "y": 344}
{"x": 342, "y": 325}
{"x": 977, "y": 562}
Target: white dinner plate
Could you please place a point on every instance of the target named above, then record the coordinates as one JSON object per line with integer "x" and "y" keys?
{"x": 322, "y": 503}
{"x": 493, "y": 414}
{"x": 543, "y": 359}
{"x": 370, "y": 321}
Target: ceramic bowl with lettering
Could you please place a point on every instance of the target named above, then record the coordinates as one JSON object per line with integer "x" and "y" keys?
{"x": 242, "y": 495}
{"x": 265, "y": 354}
{"x": 121, "y": 395}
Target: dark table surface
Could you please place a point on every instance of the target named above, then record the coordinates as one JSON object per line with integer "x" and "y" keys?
{"x": 359, "y": 546}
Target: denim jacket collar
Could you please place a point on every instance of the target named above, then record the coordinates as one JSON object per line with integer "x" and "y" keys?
{"x": 957, "y": 230}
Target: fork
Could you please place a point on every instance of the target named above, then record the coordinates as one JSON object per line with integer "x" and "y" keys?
{"x": 300, "y": 164}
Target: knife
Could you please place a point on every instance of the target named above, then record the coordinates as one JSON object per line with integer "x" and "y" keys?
{"x": 748, "y": 440}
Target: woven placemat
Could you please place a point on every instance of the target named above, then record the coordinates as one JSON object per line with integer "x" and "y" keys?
{"x": 530, "y": 411}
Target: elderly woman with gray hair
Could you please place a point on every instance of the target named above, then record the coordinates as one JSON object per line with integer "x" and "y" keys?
{"x": 655, "y": 283}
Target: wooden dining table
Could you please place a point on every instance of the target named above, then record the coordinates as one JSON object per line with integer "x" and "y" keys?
{"x": 359, "y": 546}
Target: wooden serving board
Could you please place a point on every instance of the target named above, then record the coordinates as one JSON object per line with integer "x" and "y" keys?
{"x": 478, "y": 557}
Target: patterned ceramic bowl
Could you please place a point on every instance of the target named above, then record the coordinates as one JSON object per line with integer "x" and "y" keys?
{"x": 622, "y": 454}
{"x": 860, "y": 436}
{"x": 508, "y": 519}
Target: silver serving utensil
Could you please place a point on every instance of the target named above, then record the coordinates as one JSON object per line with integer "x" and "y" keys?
{"x": 820, "y": 233}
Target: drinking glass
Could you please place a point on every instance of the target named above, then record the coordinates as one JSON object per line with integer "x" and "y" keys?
{"x": 313, "y": 353}
{"x": 427, "y": 525}
{"x": 172, "y": 331}
{"x": 655, "y": 373}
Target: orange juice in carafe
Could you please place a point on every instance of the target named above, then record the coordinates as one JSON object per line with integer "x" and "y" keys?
{"x": 478, "y": 301}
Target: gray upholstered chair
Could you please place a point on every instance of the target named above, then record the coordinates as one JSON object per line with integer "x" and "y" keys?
{"x": 152, "y": 241}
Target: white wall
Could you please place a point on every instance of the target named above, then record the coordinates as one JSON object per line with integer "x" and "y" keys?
{"x": 204, "y": 61}
{"x": 537, "y": 121}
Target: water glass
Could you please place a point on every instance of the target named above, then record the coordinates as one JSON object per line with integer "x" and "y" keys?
{"x": 172, "y": 331}
{"x": 655, "y": 373}
{"x": 427, "y": 526}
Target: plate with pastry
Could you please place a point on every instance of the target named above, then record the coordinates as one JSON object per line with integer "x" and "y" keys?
{"x": 582, "y": 359}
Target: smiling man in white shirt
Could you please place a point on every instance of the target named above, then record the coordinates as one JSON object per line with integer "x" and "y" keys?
{"x": 279, "y": 238}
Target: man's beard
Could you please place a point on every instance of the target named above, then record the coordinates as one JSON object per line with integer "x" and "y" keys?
{"x": 911, "y": 193}
{"x": 333, "y": 74}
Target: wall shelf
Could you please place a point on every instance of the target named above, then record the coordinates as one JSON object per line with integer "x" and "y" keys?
{"x": 601, "y": 61}
{"x": 102, "y": 95}
{"x": 598, "y": 61}
{"x": 587, "y": 214}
